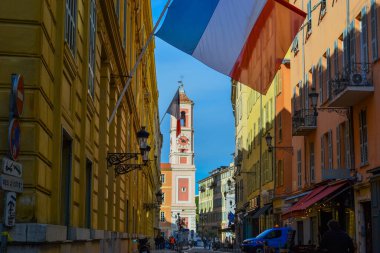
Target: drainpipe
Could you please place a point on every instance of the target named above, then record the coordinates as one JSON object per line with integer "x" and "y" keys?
{"x": 304, "y": 73}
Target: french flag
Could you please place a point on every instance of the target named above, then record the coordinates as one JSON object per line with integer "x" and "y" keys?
{"x": 244, "y": 39}
{"x": 174, "y": 110}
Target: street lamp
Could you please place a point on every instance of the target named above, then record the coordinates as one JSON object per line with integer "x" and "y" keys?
{"x": 313, "y": 96}
{"x": 118, "y": 160}
{"x": 268, "y": 139}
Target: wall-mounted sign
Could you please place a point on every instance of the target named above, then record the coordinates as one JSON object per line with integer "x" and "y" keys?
{"x": 10, "y": 209}
{"x": 14, "y": 138}
{"x": 17, "y": 94}
{"x": 12, "y": 168}
{"x": 12, "y": 184}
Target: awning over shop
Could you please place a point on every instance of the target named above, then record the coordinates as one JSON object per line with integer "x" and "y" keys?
{"x": 313, "y": 197}
{"x": 262, "y": 211}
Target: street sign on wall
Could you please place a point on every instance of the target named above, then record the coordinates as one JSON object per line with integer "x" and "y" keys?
{"x": 17, "y": 94}
{"x": 10, "y": 183}
{"x": 10, "y": 209}
{"x": 12, "y": 168}
{"x": 14, "y": 138}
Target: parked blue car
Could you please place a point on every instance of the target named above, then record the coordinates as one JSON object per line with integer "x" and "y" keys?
{"x": 273, "y": 237}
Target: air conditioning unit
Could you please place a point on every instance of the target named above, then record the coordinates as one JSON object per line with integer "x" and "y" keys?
{"x": 358, "y": 79}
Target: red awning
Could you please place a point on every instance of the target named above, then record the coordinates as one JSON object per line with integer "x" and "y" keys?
{"x": 313, "y": 197}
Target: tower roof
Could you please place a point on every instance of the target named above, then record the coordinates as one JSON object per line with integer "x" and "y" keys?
{"x": 183, "y": 98}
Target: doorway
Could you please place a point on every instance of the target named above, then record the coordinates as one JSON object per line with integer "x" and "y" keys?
{"x": 367, "y": 226}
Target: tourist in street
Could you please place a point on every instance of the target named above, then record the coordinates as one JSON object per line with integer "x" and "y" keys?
{"x": 336, "y": 240}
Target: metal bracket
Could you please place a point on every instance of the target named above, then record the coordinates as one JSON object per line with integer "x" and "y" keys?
{"x": 342, "y": 111}
{"x": 118, "y": 158}
{"x": 125, "y": 168}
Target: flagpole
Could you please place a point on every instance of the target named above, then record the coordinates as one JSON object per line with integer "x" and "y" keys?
{"x": 163, "y": 117}
{"x": 133, "y": 71}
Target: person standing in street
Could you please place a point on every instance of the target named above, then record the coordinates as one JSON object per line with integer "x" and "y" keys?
{"x": 336, "y": 240}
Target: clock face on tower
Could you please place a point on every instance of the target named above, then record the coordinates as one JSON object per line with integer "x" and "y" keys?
{"x": 183, "y": 141}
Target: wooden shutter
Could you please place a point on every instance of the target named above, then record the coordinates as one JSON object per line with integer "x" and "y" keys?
{"x": 352, "y": 45}
{"x": 330, "y": 149}
{"x": 347, "y": 144}
{"x": 323, "y": 152}
{"x": 375, "y": 53}
{"x": 320, "y": 79}
{"x": 328, "y": 73}
{"x": 364, "y": 37}
{"x": 338, "y": 146}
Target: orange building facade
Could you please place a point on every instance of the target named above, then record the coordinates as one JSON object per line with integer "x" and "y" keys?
{"x": 335, "y": 141}
{"x": 166, "y": 210}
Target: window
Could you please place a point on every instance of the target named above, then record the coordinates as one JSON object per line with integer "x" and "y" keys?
{"x": 338, "y": 148}
{"x": 309, "y": 18}
{"x": 162, "y": 178}
{"x": 183, "y": 189}
{"x": 295, "y": 47}
{"x": 92, "y": 37}
{"x": 162, "y": 216}
{"x": 322, "y": 12}
{"x": 88, "y": 193}
{"x": 299, "y": 169}
{"x": 163, "y": 197}
{"x": 375, "y": 53}
{"x": 364, "y": 36}
{"x": 71, "y": 24}
{"x": 363, "y": 137}
{"x": 312, "y": 163}
{"x": 330, "y": 149}
{"x": 183, "y": 119}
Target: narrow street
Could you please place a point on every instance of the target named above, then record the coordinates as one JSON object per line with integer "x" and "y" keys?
{"x": 196, "y": 250}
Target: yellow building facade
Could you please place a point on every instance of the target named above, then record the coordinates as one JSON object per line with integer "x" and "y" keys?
{"x": 254, "y": 119}
{"x": 75, "y": 57}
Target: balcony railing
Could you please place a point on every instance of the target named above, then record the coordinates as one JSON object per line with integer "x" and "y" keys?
{"x": 352, "y": 85}
{"x": 304, "y": 122}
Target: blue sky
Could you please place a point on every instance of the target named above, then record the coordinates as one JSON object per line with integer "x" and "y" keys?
{"x": 210, "y": 91}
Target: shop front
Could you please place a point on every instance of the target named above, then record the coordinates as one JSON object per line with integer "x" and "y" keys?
{"x": 309, "y": 216}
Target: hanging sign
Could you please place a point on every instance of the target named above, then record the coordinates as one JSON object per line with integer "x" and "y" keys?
{"x": 17, "y": 94}
{"x": 14, "y": 134}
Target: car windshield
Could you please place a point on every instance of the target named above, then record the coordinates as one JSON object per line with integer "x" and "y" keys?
{"x": 269, "y": 234}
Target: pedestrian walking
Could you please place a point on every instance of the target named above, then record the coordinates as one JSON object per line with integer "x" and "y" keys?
{"x": 335, "y": 240}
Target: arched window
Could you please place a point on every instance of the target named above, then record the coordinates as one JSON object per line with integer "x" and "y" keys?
{"x": 183, "y": 119}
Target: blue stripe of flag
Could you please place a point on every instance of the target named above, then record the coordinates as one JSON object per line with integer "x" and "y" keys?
{"x": 186, "y": 22}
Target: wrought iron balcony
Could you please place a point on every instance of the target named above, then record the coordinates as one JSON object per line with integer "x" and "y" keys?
{"x": 352, "y": 85}
{"x": 304, "y": 122}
